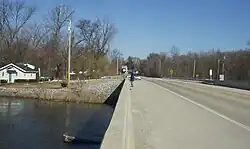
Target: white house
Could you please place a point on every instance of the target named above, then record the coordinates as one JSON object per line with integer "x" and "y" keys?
{"x": 20, "y": 71}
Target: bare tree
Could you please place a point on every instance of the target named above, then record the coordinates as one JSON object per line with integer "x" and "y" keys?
{"x": 14, "y": 16}
{"x": 20, "y": 14}
{"x": 236, "y": 64}
{"x": 95, "y": 35}
{"x": 37, "y": 34}
{"x": 45, "y": 44}
{"x": 115, "y": 54}
{"x": 58, "y": 18}
{"x": 91, "y": 44}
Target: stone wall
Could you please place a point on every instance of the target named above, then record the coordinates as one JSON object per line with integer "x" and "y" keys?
{"x": 97, "y": 93}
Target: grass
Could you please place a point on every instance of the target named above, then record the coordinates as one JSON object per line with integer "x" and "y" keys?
{"x": 49, "y": 85}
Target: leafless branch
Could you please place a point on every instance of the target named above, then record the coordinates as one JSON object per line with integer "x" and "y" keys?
{"x": 95, "y": 35}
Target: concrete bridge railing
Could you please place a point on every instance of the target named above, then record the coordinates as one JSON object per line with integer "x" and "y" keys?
{"x": 120, "y": 134}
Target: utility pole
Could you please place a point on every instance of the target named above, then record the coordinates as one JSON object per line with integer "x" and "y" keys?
{"x": 159, "y": 68}
{"x": 223, "y": 66}
{"x": 218, "y": 69}
{"x": 194, "y": 68}
{"x": 69, "y": 52}
{"x": 117, "y": 72}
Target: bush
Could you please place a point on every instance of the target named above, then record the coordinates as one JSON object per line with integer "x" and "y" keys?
{"x": 64, "y": 84}
{"x": 45, "y": 78}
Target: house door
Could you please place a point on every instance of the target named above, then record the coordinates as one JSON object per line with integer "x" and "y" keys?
{"x": 10, "y": 78}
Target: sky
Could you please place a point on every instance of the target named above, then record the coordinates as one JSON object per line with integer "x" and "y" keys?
{"x": 145, "y": 26}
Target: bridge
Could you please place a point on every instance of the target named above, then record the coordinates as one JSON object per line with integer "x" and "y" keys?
{"x": 177, "y": 114}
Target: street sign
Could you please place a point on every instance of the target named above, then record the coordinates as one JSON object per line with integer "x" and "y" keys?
{"x": 222, "y": 77}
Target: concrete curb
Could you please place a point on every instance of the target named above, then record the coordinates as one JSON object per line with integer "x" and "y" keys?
{"x": 120, "y": 134}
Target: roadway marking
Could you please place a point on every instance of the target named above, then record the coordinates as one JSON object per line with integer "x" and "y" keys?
{"x": 128, "y": 136}
{"x": 204, "y": 89}
{"x": 232, "y": 90}
{"x": 205, "y": 108}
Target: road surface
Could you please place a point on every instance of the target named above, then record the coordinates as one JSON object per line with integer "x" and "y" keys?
{"x": 185, "y": 115}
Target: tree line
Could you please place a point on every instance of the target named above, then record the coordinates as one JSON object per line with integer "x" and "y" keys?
{"x": 44, "y": 43}
{"x": 233, "y": 64}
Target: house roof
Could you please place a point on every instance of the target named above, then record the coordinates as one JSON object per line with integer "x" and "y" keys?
{"x": 25, "y": 67}
{"x": 20, "y": 67}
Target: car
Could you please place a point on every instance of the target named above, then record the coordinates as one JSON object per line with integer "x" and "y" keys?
{"x": 136, "y": 77}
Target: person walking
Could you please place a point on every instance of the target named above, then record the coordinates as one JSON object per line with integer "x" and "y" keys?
{"x": 132, "y": 78}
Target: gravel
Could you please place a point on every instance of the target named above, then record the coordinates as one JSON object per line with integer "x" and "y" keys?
{"x": 104, "y": 88}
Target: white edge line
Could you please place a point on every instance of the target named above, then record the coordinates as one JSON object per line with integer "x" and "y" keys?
{"x": 233, "y": 90}
{"x": 124, "y": 142}
{"x": 206, "y": 108}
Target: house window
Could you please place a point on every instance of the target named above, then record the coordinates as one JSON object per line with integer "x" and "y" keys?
{"x": 25, "y": 74}
{"x": 2, "y": 74}
{"x": 16, "y": 74}
{"x": 31, "y": 74}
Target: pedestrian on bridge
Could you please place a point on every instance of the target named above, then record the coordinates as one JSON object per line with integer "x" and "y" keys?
{"x": 132, "y": 78}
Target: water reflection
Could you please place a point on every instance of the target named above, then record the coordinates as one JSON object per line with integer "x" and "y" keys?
{"x": 29, "y": 124}
{"x": 10, "y": 108}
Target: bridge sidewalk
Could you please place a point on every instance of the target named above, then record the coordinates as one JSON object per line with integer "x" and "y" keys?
{"x": 163, "y": 120}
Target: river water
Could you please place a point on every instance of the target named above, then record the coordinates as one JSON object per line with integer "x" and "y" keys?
{"x": 31, "y": 124}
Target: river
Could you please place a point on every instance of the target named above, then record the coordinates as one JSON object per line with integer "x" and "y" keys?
{"x": 32, "y": 124}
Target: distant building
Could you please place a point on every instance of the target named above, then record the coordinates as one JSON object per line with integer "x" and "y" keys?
{"x": 19, "y": 71}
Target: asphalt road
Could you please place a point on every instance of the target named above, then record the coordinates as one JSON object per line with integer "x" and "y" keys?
{"x": 233, "y": 103}
{"x": 184, "y": 115}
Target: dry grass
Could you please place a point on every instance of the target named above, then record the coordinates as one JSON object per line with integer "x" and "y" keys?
{"x": 52, "y": 91}
{"x": 94, "y": 82}
{"x": 49, "y": 85}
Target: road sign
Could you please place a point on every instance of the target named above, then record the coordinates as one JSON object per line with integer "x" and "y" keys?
{"x": 222, "y": 77}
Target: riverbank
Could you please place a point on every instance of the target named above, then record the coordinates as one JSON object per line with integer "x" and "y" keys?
{"x": 80, "y": 91}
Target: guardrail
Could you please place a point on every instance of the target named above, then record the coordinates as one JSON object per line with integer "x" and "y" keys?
{"x": 230, "y": 83}
{"x": 227, "y": 83}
